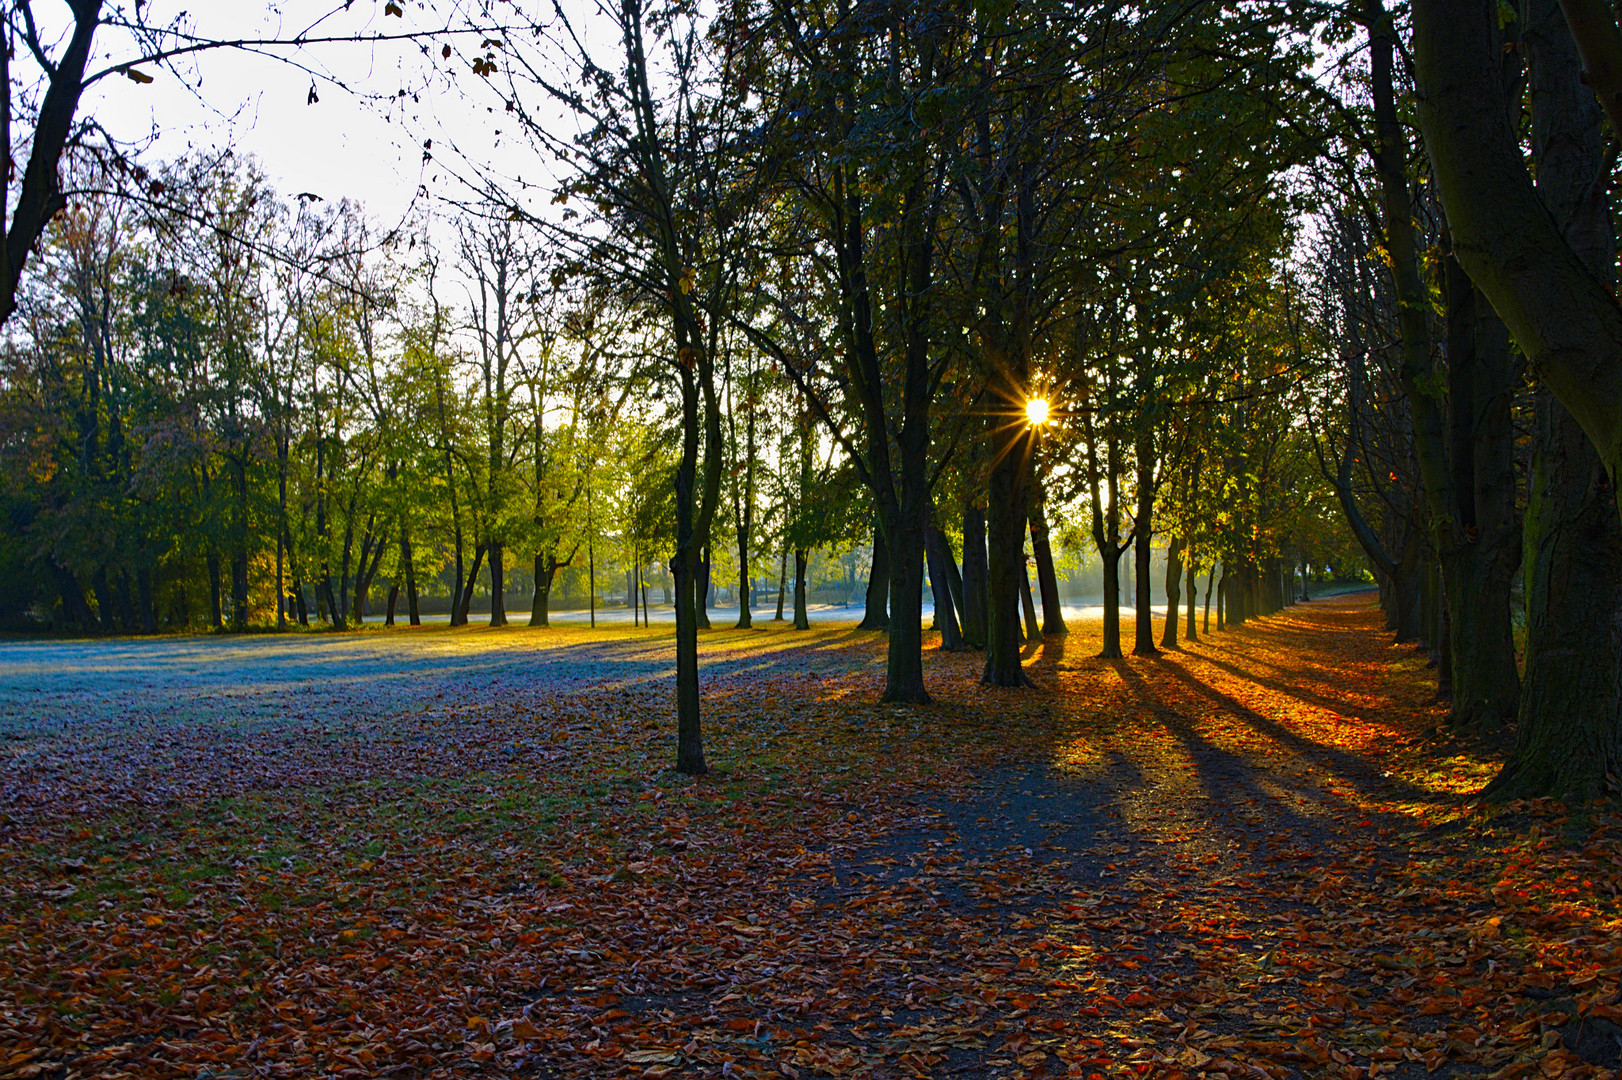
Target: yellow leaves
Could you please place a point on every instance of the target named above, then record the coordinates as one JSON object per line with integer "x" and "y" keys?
{"x": 137, "y": 76}
{"x": 685, "y": 282}
{"x": 153, "y": 921}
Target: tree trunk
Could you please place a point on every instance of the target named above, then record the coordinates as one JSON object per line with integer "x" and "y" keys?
{"x": 406, "y": 562}
{"x": 689, "y": 733}
{"x": 877, "y": 616}
{"x": 498, "y": 585}
{"x": 745, "y": 589}
{"x": 1477, "y": 569}
{"x": 701, "y": 614}
{"x": 1027, "y": 603}
{"x": 394, "y": 596}
{"x": 1568, "y": 741}
{"x": 1192, "y": 588}
{"x": 1174, "y": 596}
{"x": 1210, "y": 585}
{"x": 1112, "y": 602}
{"x": 540, "y": 600}
{"x": 1005, "y": 549}
{"x": 458, "y": 618}
{"x": 904, "y": 659}
{"x": 782, "y": 585}
{"x": 1144, "y": 624}
{"x": 974, "y": 576}
{"x": 1047, "y": 577}
{"x": 1544, "y": 285}
{"x": 940, "y": 586}
{"x": 1568, "y": 738}
{"x": 802, "y": 618}
{"x": 365, "y": 574}
{"x": 1222, "y": 597}
{"x": 465, "y": 604}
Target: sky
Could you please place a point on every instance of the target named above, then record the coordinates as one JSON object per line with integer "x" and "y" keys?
{"x": 348, "y": 143}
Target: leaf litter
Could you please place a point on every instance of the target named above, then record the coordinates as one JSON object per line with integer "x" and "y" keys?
{"x": 1250, "y": 858}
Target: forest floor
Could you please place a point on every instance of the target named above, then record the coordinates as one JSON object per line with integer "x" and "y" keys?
{"x": 464, "y": 853}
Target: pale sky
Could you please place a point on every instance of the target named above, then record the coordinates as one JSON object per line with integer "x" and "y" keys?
{"x": 349, "y": 143}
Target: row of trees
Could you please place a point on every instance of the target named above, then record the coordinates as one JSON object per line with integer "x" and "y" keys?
{"x": 1466, "y": 325}
{"x": 260, "y": 412}
{"x": 823, "y": 257}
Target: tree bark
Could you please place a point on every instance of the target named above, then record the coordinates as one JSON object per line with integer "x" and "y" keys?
{"x": 877, "y": 615}
{"x": 1478, "y": 570}
{"x": 974, "y": 576}
{"x": 1112, "y": 604}
{"x": 782, "y": 585}
{"x": 410, "y": 567}
{"x": 1568, "y": 738}
{"x": 1047, "y": 576}
{"x": 1192, "y": 589}
{"x": 745, "y": 587}
{"x": 1144, "y": 624}
{"x": 802, "y": 618}
{"x": 939, "y": 558}
{"x": 1005, "y": 549}
{"x": 1210, "y": 585}
{"x": 1560, "y": 312}
{"x": 1027, "y": 603}
{"x": 1174, "y": 595}
{"x": 465, "y": 603}
{"x": 498, "y": 585}
{"x": 701, "y": 613}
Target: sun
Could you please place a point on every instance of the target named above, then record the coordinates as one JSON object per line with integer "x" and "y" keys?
{"x": 1036, "y": 411}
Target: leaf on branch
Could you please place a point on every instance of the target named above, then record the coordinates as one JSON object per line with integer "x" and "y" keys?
{"x": 136, "y": 76}
{"x": 391, "y": 8}
{"x": 313, "y": 97}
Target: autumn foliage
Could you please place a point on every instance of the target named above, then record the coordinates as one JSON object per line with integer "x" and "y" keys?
{"x": 1249, "y": 858}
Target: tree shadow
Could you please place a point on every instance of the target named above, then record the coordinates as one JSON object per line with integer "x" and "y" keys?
{"x": 1349, "y": 766}
{"x": 1225, "y": 776}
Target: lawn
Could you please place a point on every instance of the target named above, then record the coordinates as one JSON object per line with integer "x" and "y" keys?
{"x": 464, "y": 853}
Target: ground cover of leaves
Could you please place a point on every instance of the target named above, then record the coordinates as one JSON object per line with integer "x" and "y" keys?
{"x": 463, "y": 853}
